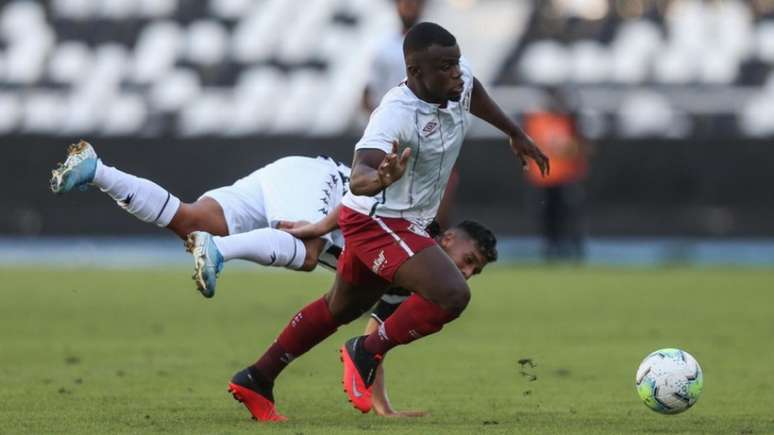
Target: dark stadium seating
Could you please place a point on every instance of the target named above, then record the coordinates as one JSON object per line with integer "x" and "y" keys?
{"x": 673, "y": 68}
{"x": 639, "y": 68}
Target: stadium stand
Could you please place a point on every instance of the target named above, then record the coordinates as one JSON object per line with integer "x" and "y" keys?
{"x": 674, "y": 68}
{"x": 189, "y": 68}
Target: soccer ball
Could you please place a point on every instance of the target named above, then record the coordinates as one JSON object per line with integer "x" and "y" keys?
{"x": 669, "y": 381}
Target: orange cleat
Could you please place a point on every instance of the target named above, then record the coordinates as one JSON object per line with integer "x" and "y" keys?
{"x": 359, "y": 373}
{"x": 245, "y": 390}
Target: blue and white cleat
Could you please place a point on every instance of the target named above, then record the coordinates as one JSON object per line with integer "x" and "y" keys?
{"x": 77, "y": 171}
{"x": 207, "y": 261}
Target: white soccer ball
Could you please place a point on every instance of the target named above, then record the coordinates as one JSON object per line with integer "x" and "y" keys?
{"x": 669, "y": 381}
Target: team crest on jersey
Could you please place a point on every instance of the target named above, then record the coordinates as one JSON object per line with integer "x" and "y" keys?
{"x": 416, "y": 229}
{"x": 430, "y": 128}
{"x": 379, "y": 262}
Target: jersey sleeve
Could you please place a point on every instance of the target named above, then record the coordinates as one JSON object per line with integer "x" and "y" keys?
{"x": 467, "y": 79}
{"x": 387, "y": 125}
{"x": 467, "y": 72}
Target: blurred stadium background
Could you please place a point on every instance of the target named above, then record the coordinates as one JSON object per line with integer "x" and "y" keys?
{"x": 677, "y": 97}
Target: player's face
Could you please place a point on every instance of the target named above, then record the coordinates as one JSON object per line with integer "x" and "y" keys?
{"x": 440, "y": 73}
{"x": 464, "y": 252}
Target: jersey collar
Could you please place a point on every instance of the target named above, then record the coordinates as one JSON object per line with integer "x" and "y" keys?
{"x": 428, "y": 106}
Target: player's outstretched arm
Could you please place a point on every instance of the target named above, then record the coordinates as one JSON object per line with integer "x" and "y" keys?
{"x": 305, "y": 230}
{"x": 374, "y": 170}
{"x": 484, "y": 107}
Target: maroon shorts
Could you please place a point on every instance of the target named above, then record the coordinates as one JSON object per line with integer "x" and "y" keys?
{"x": 375, "y": 247}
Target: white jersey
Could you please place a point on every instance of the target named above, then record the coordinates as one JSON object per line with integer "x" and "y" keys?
{"x": 388, "y": 68}
{"x": 290, "y": 189}
{"x": 435, "y": 137}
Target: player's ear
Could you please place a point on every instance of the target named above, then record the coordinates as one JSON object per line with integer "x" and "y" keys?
{"x": 447, "y": 237}
{"x": 413, "y": 71}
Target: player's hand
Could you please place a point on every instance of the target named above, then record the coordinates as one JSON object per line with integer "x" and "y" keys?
{"x": 302, "y": 230}
{"x": 383, "y": 408}
{"x": 393, "y": 166}
{"x": 289, "y": 225}
{"x": 399, "y": 414}
{"x": 524, "y": 148}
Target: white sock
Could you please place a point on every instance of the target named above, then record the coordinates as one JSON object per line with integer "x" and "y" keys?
{"x": 143, "y": 198}
{"x": 265, "y": 246}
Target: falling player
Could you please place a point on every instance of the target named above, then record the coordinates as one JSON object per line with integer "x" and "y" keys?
{"x": 247, "y": 211}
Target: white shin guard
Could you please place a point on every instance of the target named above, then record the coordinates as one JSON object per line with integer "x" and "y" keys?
{"x": 266, "y": 246}
{"x": 143, "y": 198}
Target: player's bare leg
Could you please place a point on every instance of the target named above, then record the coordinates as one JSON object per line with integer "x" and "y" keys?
{"x": 254, "y": 385}
{"x": 381, "y": 402}
{"x": 206, "y": 214}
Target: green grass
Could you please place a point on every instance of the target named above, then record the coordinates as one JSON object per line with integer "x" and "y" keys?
{"x": 92, "y": 351}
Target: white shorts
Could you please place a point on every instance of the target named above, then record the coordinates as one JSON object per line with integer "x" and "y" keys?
{"x": 290, "y": 189}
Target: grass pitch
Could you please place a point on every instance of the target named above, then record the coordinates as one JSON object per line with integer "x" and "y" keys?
{"x": 139, "y": 351}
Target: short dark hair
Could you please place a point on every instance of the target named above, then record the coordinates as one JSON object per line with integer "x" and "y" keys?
{"x": 423, "y": 35}
{"x": 483, "y": 236}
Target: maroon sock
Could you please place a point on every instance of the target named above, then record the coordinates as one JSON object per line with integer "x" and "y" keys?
{"x": 313, "y": 324}
{"x": 415, "y": 318}
{"x": 272, "y": 362}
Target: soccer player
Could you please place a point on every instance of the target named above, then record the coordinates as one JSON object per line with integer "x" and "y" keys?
{"x": 247, "y": 211}
{"x": 401, "y": 167}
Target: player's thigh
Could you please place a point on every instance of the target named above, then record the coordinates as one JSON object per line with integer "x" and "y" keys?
{"x": 298, "y": 189}
{"x": 349, "y": 301}
{"x": 241, "y": 204}
{"x": 432, "y": 274}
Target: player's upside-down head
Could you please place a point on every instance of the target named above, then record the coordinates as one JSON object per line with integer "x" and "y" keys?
{"x": 433, "y": 63}
{"x": 470, "y": 245}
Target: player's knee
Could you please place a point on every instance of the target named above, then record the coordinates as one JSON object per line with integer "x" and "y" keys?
{"x": 199, "y": 216}
{"x": 457, "y": 299}
{"x": 309, "y": 265}
{"x": 185, "y": 221}
{"x": 310, "y": 259}
{"x": 314, "y": 248}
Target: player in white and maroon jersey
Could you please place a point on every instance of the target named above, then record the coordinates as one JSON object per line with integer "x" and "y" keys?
{"x": 388, "y": 69}
{"x": 399, "y": 172}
